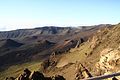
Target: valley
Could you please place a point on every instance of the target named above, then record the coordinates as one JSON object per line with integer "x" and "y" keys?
{"x": 95, "y": 50}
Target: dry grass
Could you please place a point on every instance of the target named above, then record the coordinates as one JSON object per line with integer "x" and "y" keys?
{"x": 16, "y": 70}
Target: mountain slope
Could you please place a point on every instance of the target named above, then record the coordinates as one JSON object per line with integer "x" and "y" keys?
{"x": 37, "y": 44}
{"x": 8, "y": 44}
{"x": 100, "y": 55}
{"x": 38, "y": 47}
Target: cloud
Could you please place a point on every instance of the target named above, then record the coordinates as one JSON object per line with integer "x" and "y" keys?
{"x": 3, "y": 28}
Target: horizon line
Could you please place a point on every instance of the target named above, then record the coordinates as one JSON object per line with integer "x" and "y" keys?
{"x": 32, "y": 27}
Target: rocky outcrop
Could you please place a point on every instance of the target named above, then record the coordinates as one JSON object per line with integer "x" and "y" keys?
{"x": 25, "y": 75}
{"x": 79, "y": 42}
{"x": 49, "y": 63}
{"x": 109, "y": 61}
{"x": 10, "y": 78}
{"x": 81, "y": 71}
{"x": 36, "y": 75}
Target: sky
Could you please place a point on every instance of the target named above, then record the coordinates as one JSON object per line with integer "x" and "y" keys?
{"x": 19, "y": 14}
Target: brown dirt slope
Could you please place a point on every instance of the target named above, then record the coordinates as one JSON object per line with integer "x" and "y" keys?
{"x": 100, "y": 55}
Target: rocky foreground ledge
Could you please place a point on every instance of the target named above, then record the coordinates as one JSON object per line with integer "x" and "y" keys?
{"x": 36, "y": 75}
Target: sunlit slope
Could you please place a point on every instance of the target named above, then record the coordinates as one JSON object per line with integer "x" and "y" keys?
{"x": 100, "y": 54}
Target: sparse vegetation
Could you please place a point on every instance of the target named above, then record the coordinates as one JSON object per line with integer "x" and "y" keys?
{"x": 63, "y": 61}
{"x": 16, "y": 70}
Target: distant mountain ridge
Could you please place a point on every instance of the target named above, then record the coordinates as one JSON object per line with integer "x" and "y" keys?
{"x": 36, "y": 31}
{"x": 47, "y": 30}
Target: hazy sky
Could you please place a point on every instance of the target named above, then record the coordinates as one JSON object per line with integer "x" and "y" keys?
{"x": 17, "y": 14}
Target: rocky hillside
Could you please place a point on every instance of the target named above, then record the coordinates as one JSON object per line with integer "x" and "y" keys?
{"x": 37, "y": 43}
{"x": 100, "y": 55}
{"x": 68, "y": 44}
